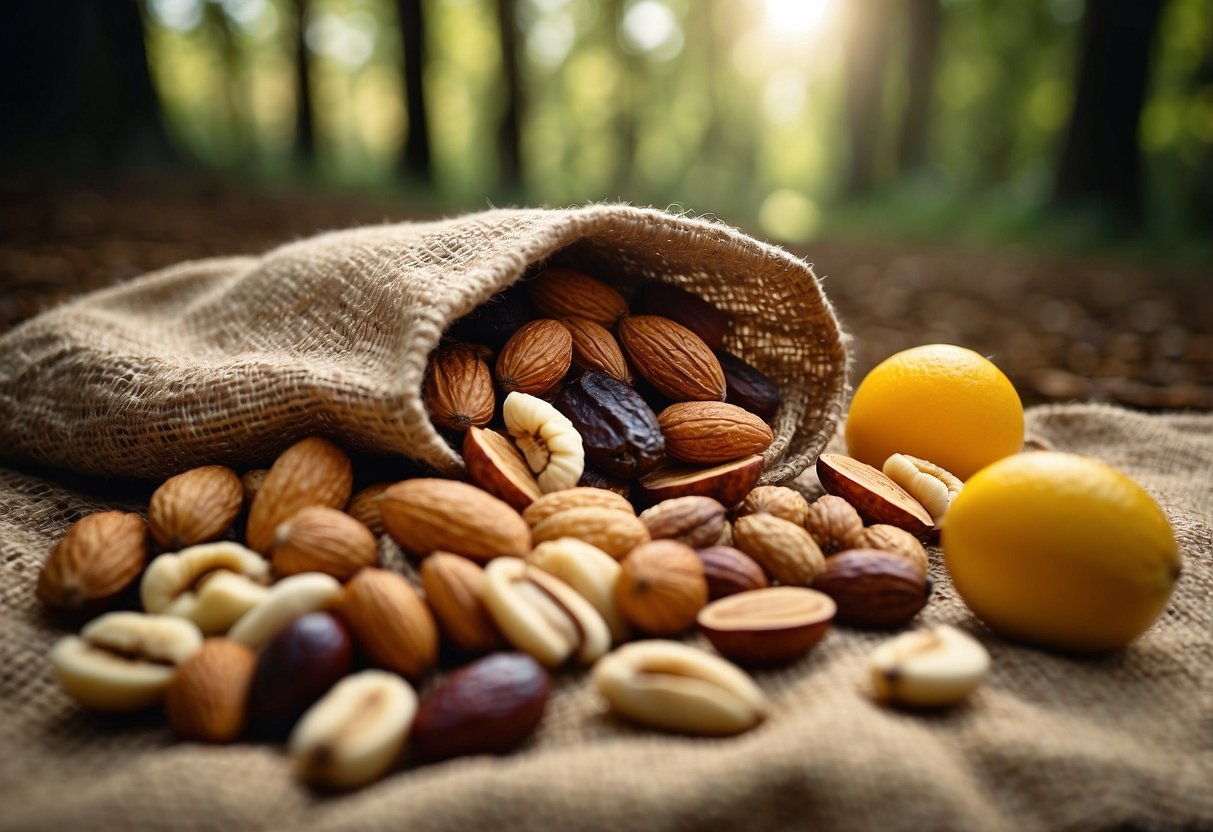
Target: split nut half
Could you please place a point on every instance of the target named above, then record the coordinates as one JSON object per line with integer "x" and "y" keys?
{"x": 548, "y": 440}
{"x": 928, "y": 668}
{"x": 213, "y": 584}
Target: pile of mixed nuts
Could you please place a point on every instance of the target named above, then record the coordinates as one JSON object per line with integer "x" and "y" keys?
{"x": 299, "y": 634}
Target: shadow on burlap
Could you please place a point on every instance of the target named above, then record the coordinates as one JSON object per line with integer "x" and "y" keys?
{"x": 1049, "y": 742}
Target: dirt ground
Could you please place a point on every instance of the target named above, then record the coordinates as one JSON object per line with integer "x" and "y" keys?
{"x": 1062, "y": 328}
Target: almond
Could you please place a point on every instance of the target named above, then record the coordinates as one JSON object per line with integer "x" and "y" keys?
{"x": 876, "y": 497}
{"x": 595, "y": 348}
{"x": 390, "y": 622}
{"x": 767, "y": 626}
{"x": 709, "y": 432}
{"x": 614, "y": 532}
{"x": 207, "y": 700}
{"x": 458, "y": 387}
{"x": 728, "y": 482}
{"x": 312, "y": 472}
{"x": 535, "y": 358}
{"x": 499, "y": 468}
{"x": 784, "y": 550}
{"x": 197, "y": 506}
{"x": 686, "y": 308}
{"x": 364, "y": 507}
{"x": 322, "y": 539}
{"x": 559, "y": 293}
{"x": 426, "y": 515}
{"x": 454, "y": 590}
{"x": 99, "y": 557}
{"x": 579, "y": 497}
{"x": 672, "y": 358}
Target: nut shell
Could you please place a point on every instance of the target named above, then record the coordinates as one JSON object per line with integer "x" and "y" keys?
{"x": 873, "y": 589}
{"x": 729, "y": 571}
{"x": 661, "y": 587}
{"x": 783, "y": 502}
{"x": 895, "y": 541}
{"x": 312, "y": 472}
{"x": 672, "y": 358}
{"x": 710, "y": 432}
{"x": 196, "y": 506}
{"x": 498, "y": 467}
{"x": 727, "y": 483}
{"x": 426, "y": 515}
{"x": 695, "y": 521}
{"x": 100, "y": 556}
{"x": 876, "y": 497}
{"x": 784, "y": 550}
{"x": 834, "y": 524}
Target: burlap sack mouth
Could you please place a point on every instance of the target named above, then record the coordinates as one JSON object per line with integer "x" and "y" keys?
{"x": 229, "y": 360}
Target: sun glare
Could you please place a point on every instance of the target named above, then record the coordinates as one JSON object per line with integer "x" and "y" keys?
{"x": 797, "y": 18}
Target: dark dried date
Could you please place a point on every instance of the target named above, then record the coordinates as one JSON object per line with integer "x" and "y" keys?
{"x": 747, "y": 387}
{"x": 619, "y": 431}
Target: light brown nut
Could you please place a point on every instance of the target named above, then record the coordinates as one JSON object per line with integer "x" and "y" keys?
{"x": 499, "y": 468}
{"x": 661, "y": 587}
{"x": 194, "y": 507}
{"x": 458, "y": 387}
{"x": 579, "y": 497}
{"x": 784, "y": 550}
{"x": 614, "y": 532}
{"x": 535, "y": 358}
{"x": 876, "y": 497}
{"x": 123, "y": 661}
{"x": 672, "y": 358}
{"x": 285, "y": 601}
{"x": 873, "y": 589}
{"x": 212, "y": 584}
{"x": 928, "y": 668}
{"x": 729, "y": 571}
{"x": 454, "y": 591}
{"x": 695, "y": 521}
{"x": 551, "y": 445}
{"x": 591, "y": 572}
{"x": 427, "y": 515}
{"x": 675, "y": 687}
{"x": 355, "y": 733}
{"x": 783, "y": 502}
{"x": 707, "y": 432}
{"x": 728, "y": 483}
{"x": 321, "y": 539}
{"x": 207, "y": 700}
{"x": 834, "y": 524}
{"x": 364, "y": 507}
{"x": 390, "y": 622}
{"x": 895, "y": 541}
{"x": 926, "y": 482}
{"x": 595, "y": 348}
{"x": 542, "y": 615}
{"x": 251, "y": 482}
{"x": 312, "y": 472}
{"x": 559, "y": 293}
{"x": 99, "y": 557}
{"x": 767, "y": 626}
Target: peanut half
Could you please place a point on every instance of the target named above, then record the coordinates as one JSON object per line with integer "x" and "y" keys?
{"x": 928, "y": 668}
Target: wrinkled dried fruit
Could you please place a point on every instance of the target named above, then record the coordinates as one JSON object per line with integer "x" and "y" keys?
{"x": 207, "y": 700}
{"x": 591, "y": 477}
{"x": 784, "y": 550}
{"x": 683, "y": 307}
{"x": 772, "y": 625}
{"x": 391, "y": 624}
{"x": 99, "y": 557}
{"x": 873, "y": 589}
{"x": 535, "y": 358}
{"x": 194, "y": 507}
{"x": 928, "y": 668}
{"x": 614, "y": 532}
{"x": 672, "y": 358}
{"x": 876, "y": 497}
{"x": 426, "y": 515}
{"x": 295, "y": 668}
{"x": 661, "y": 587}
{"x": 747, "y": 387}
{"x": 729, "y": 571}
{"x": 695, "y": 521}
{"x": 579, "y": 497}
{"x": 458, "y": 387}
{"x": 710, "y": 432}
{"x": 551, "y": 445}
{"x": 454, "y": 590}
{"x": 834, "y": 524}
{"x": 498, "y": 467}
{"x": 727, "y": 483}
{"x": 779, "y": 500}
{"x": 321, "y": 539}
{"x": 312, "y": 472}
{"x": 595, "y": 348}
{"x": 488, "y": 707}
{"x": 619, "y": 431}
{"x": 559, "y": 293}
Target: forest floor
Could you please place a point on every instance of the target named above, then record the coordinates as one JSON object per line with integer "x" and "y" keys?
{"x": 1062, "y": 327}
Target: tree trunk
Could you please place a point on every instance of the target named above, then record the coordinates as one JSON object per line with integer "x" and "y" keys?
{"x": 417, "y": 145}
{"x": 77, "y": 95}
{"x": 1101, "y": 159}
{"x": 866, "y": 59}
{"x": 922, "y": 23}
{"x": 509, "y": 141}
{"x": 305, "y": 130}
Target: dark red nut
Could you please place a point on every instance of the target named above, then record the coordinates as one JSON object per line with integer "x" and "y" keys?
{"x": 873, "y": 588}
{"x": 747, "y": 387}
{"x": 294, "y": 669}
{"x": 730, "y": 571}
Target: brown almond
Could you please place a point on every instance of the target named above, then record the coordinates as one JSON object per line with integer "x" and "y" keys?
{"x": 322, "y": 539}
{"x": 727, "y": 483}
{"x": 454, "y": 590}
{"x": 364, "y": 507}
{"x": 497, "y": 466}
{"x": 579, "y": 497}
{"x": 535, "y": 358}
{"x": 251, "y": 482}
{"x": 99, "y": 557}
{"x": 390, "y": 622}
{"x": 194, "y": 507}
{"x": 426, "y": 515}
{"x": 710, "y": 432}
{"x": 595, "y": 348}
{"x": 767, "y": 626}
{"x": 207, "y": 700}
{"x": 458, "y": 387}
{"x": 560, "y": 293}
{"x": 834, "y": 524}
{"x": 876, "y": 497}
{"x": 614, "y": 532}
{"x": 695, "y": 521}
{"x": 729, "y": 571}
{"x": 312, "y": 472}
{"x": 779, "y": 500}
{"x": 873, "y": 589}
{"x": 672, "y": 358}
{"x": 784, "y": 550}
{"x": 661, "y": 587}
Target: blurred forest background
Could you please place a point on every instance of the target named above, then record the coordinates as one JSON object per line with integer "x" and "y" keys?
{"x": 1083, "y": 128}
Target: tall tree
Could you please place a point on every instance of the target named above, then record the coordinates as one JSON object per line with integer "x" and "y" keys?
{"x": 305, "y": 131}
{"x": 922, "y": 48}
{"x": 867, "y": 50}
{"x": 1101, "y": 158}
{"x": 77, "y": 94}
{"x": 417, "y": 146}
{"x": 509, "y": 135}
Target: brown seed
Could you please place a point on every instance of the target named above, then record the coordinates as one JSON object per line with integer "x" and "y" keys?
{"x": 579, "y": 497}
{"x": 458, "y": 387}
{"x": 427, "y": 515}
{"x": 876, "y": 497}
{"x": 672, "y": 358}
{"x": 779, "y": 500}
{"x": 614, "y": 532}
{"x": 747, "y": 387}
{"x": 454, "y": 590}
{"x": 784, "y": 550}
{"x": 729, "y": 571}
{"x": 196, "y": 506}
{"x": 727, "y": 483}
{"x": 535, "y": 358}
{"x": 499, "y": 468}
{"x": 207, "y": 700}
{"x": 595, "y": 348}
{"x": 252, "y": 481}
{"x": 873, "y": 589}
{"x": 695, "y": 521}
{"x": 895, "y": 541}
{"x": 390, "y": 622}
{"x": 560, "y": 293}
{"x": 661, "y": 587}
{"x": 322, "y": 539}
{"x": 312, "y": 472}
{"x": 767, "y": 626}
{"x": 710, "y": 432}
{"x": 364, "y": 507}
{"x": 99, "y": 557}
{"x": 834, "y": 524}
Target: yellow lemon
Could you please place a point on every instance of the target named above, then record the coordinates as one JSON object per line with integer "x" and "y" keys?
{"x": 939, "y": 402}
{"x": 1061, "y": 551}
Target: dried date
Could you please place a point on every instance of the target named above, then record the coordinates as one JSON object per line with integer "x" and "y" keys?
{"x": 618, "y": 429}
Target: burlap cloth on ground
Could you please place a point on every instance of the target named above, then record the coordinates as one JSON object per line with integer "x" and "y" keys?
{"x": 1049, "y": 742}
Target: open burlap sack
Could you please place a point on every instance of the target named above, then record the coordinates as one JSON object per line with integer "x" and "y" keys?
{"x": 229, "y": 360}
{"x": 1050, "y": 742}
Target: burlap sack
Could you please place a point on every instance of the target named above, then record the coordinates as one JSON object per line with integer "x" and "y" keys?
{"x": 229, "y": 360}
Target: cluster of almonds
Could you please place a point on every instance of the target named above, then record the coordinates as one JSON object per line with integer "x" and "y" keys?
{"x": 300, "y": 634}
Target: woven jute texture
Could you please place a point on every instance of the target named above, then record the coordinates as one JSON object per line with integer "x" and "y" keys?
{"x": 230, "y": 360}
